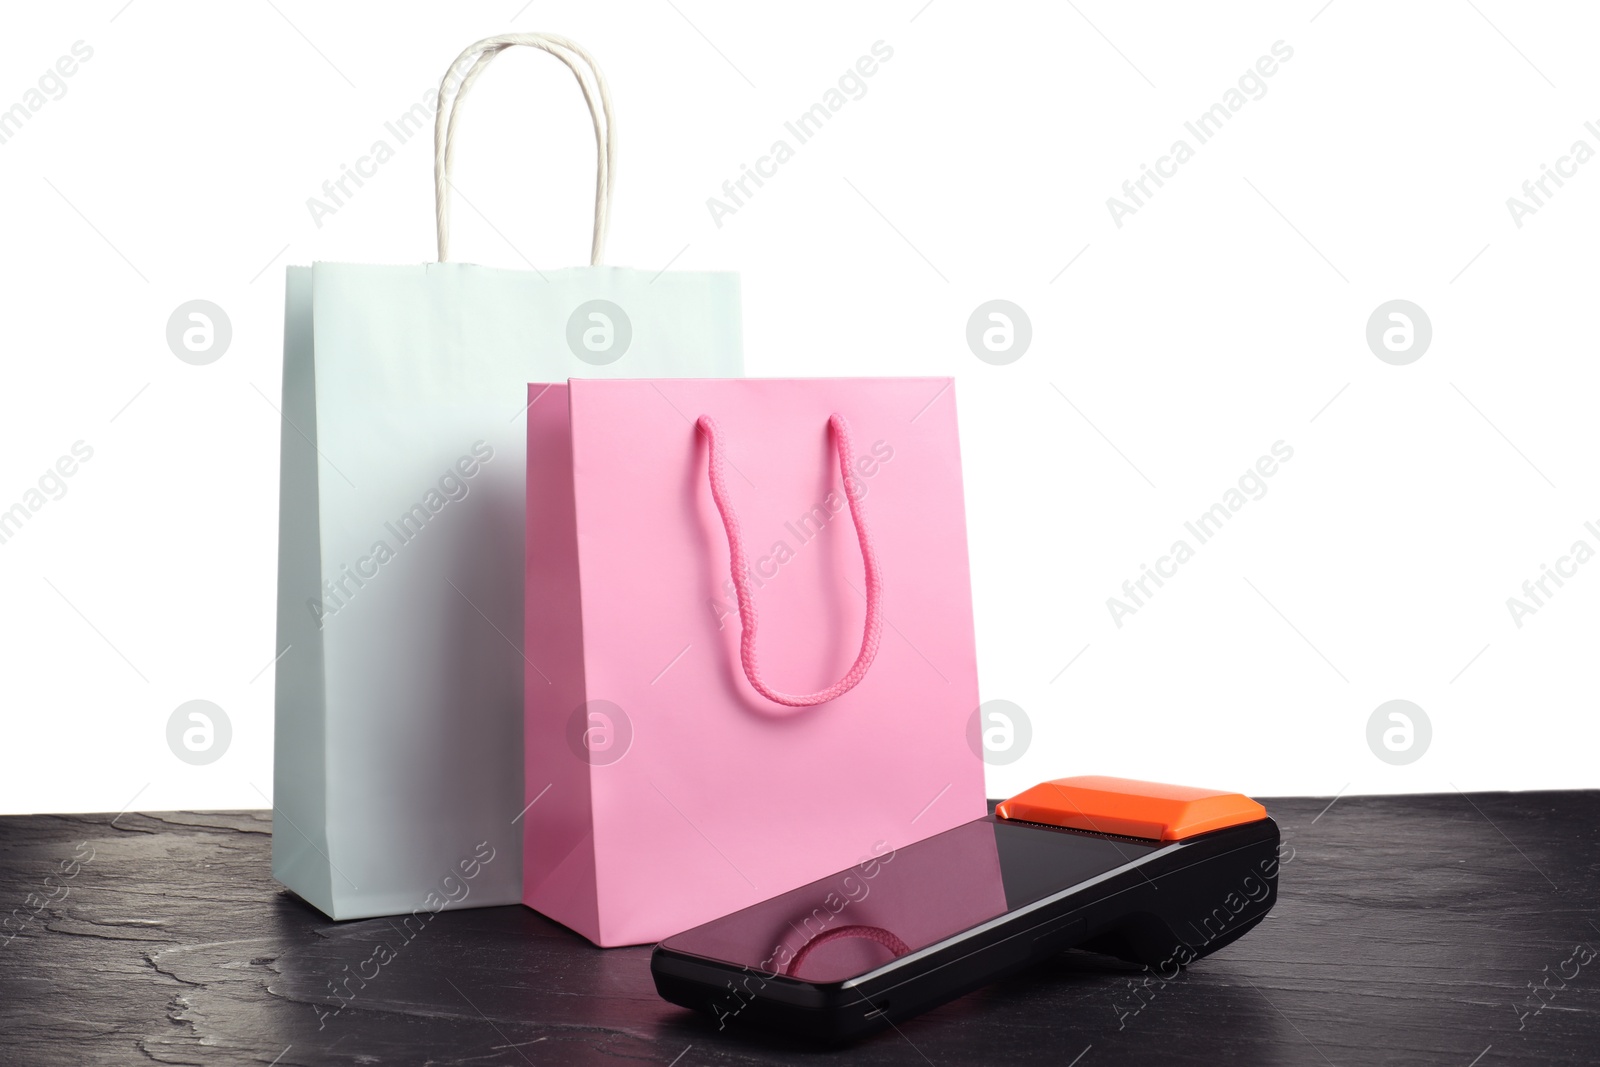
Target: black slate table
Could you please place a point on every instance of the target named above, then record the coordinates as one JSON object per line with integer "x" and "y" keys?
{"x": 1455, "y": 929}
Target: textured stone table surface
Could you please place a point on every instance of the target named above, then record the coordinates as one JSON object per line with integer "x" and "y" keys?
{"x": 1455, "y": 929}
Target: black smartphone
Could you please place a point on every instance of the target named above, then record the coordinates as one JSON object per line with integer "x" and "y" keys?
{"x": 906, "y": 930}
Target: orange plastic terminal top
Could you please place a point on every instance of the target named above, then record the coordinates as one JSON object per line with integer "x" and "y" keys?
{"x": 1129, "y": 808}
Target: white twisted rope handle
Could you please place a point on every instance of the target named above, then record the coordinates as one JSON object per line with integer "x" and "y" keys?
{"x": 597, "y": 96}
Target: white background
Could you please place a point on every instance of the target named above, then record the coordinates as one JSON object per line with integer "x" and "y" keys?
{"x": 1227, "y": 314}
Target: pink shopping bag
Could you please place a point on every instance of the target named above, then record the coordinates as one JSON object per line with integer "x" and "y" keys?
{"x": 701, "y": 735}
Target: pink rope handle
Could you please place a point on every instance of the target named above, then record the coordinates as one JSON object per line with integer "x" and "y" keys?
{"x": 866, "y": 933}
{"x": 741, "y": 580}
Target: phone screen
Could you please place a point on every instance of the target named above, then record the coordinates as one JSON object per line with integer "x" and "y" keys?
{"x": 896, "y": 902}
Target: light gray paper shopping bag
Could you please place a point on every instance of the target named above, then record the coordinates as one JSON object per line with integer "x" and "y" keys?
{"x": 398, "y": 776}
